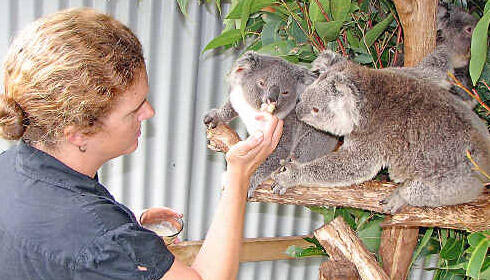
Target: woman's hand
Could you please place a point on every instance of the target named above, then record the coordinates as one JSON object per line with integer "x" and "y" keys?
{"x": 158, "y": 214}
{"x": 245, "y": 156}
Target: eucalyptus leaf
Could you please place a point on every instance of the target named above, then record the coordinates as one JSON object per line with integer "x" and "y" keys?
{"x": 363, "y": 58}
{"x": 487, "y": 8}
{"x": 352, "y": 40}
{"x": 479, "y": 47}
{"x": 477, "y": 258}
{"x": 475, "y": 238}
{"x": 226, "y": 38}
{"x": 340, "y": 9}
{"x": 423, "y": 242}
{"x": 329, "y": 31}
{"x": 278, "y": 48}
{"x": 373, "y": 34}
{"x": 256, "y": 5}
{"x": 299, "y": 252}
{"x": 452, "y": 250}
{"x": 327, "y": 213}
{"x": 183, "y": 6}
{"x": 371, "y": 235}
{"x": 316, "y": 13}
{"x": 269, "y": 33}
{"x": 247, "y": 4}
{"x": 296, "y": 32}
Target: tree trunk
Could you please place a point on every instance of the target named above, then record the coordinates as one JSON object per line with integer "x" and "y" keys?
{"x": 337, "y": 234}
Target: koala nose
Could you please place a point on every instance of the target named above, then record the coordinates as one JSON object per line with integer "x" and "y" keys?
{"x": 273, "y": 94}
{"x": 315, "y": 110}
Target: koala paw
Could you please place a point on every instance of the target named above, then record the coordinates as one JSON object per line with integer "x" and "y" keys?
{"x": 393, "y": 202}
{"x": 211, "y": 119}
{"x": 285, "y": 177}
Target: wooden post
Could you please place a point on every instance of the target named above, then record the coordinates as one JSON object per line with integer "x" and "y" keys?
{"x": 418, "y": 19}
{"x": 338, "y": 235}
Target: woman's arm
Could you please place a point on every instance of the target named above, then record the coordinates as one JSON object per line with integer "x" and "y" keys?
{"x": 219, "y": 254}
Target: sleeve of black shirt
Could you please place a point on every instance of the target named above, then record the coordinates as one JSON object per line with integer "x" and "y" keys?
{"x": 126, "y": 252}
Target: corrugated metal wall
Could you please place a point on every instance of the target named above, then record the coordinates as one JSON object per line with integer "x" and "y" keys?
{"x": 172, "y": 165}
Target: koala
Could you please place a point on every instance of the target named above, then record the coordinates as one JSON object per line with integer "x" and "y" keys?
{"x": 259, "y": 79}
{"x": 452, "y": 53}
{"x": 420, "y": 132}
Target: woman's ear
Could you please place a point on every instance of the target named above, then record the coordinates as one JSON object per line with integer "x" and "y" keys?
{"x": 75, "y": 136}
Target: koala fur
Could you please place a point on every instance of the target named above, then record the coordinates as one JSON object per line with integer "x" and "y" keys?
{"x": 256, "y": 79}
{"x": 452, "y": 53}
{"x": 417, "y": 130}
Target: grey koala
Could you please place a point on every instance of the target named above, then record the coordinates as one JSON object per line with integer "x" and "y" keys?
{"x": 419, "y": 131}
{"x": 452, "y": 53}
{"x": 260, "y": 79}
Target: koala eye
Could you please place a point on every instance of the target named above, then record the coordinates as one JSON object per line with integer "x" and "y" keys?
{"x": 284, "y": 93}
{"x": 315, "y": 110}
{"x": 468, "y": 30}
{"x": 261, "y": 83}
{"x": 239, "y": 69}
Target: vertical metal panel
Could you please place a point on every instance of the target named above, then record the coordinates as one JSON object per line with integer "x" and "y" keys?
{"x": 172, "y": 165}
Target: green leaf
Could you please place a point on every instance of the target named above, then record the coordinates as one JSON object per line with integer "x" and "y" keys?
{"x": 269, "y": 33}
{"x": 296, "y": 32}
{"x": 477, "y": 258}
{"x": 352, "y": 40}
{"x": 316, "y": 13}
{"x": 487, "y": 8}
{"x": 373, "y": 34}
{"x": 299, "y": 252}
{"x": 277, "y": 49}
{"x": 346, "y": 214}
{"x": 183, "y": 6}
{"x": 371, "y": 235}
{"x": 453, "y": 249}
{"x": 245, "y": 15}
{"x": 340, "y": 9}
{"x": 226, "y": 38}
{"x": 475, "y": 238}
{"x": 479, "y": 47}
{"x": 363, "y": 58}
{"x": 256, "y": 5}
{"x": 329, "y": 31}
{"x": 423, "y": 242}
{"x": 327, "y": 213}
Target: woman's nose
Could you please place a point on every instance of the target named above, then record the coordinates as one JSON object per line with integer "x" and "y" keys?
{"x": 147, "y": 113}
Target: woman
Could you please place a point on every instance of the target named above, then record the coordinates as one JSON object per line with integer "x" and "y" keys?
{"x": 75, "y": 95}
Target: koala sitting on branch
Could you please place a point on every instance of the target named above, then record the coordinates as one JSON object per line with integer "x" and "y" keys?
{"x": 452, "y": 53}
{"x": 261, "y": 82}
{"x": 418, "y": 130}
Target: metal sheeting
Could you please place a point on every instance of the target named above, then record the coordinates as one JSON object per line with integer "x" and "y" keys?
{"x": 172, "y": 165}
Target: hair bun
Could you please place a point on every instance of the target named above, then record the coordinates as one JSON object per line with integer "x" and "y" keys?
{"x": 11, "y": 119}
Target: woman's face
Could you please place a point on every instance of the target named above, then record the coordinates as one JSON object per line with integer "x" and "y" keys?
{"x": 122, "y": 127}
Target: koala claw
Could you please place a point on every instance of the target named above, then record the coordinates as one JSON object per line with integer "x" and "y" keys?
{"x": 393, "y": 203}
{"x": 278, "y": 189}
{"x": 211, "y": 119}
{"x": 285, "y": 177}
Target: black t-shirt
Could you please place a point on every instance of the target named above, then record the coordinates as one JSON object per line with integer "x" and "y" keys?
{"x": 56, "y": 223}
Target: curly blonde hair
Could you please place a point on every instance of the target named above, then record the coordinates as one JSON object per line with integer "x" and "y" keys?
{"x": 66, "y": 69}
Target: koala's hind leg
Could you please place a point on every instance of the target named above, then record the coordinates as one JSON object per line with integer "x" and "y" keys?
{"x": 434, "y": 192}
{"x": 342, "y": 168}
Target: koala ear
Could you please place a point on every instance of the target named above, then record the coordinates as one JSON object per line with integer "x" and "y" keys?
{"x": 305, "y": 78}
{"x": 442, "y": 16}
{"x": 325, "y": 60}
{"x": 248, "y": 61}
